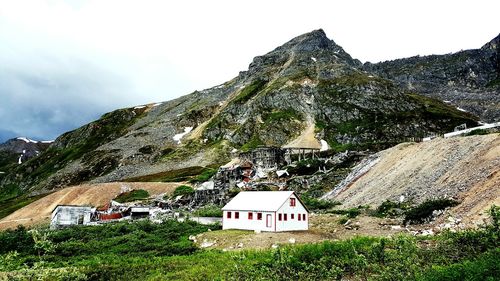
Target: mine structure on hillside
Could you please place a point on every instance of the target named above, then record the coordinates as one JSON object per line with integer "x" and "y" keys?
{"x": 264, "y": 168}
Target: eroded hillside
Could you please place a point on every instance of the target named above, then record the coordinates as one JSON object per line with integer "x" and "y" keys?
{"x": 463, "y": 168}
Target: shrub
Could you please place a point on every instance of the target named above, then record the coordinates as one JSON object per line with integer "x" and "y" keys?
{"x": 134, "y": 195}
{"x": 350, "y": 213}
{"x": 390, "y": 208}
{"x": 318, "y": 204}
{"x": 423, "y": 212}
{"x": 183, "y": 190}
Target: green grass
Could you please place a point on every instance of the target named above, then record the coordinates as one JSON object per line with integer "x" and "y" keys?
{"x": 11, "y": 205}
{"x": 315, "y": 204}
{"x": 249, "y": 91}
{"x": 278, "y": 115}
{"x": 183, "y": 190}
{"x": 134, "y": 195}
{"x": 146, "y": 251}
{"x": 253, "y": 143}
{"x": 204, "y": 176}
{"x": 184, "y": 174}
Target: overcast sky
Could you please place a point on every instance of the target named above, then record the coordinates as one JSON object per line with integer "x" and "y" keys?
{"x": 65, "y": 63}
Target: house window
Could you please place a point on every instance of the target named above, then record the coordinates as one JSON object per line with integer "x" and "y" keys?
{"x": 228, "y": 215}
{"x": 250, "y": 216}
{"x": 303, "y": 217}
{"x": 285, "y": 215}
{"x": 259, "y": 216}
{"x": 298, "y": 216}
{"x": 292, "y": 216}
{"x": 236, "y": 215}
{"x": 292, "y": 202}
{"x": 279, "y": 217}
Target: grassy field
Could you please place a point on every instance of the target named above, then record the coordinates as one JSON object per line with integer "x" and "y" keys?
{"x": 146, "y": 251}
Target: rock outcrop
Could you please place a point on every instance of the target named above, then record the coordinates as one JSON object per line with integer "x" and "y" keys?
{"x": 467, "y": 79}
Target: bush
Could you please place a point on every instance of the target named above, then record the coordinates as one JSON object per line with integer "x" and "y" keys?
{"x": 390, "y": 208}
{"x": 350, "y": 213}
{"x": 423, "y": 212}
{"x": 318, "y": 204}
{"x": 18, "y": 240}
{"x": 134, "y": 195}
{"x": 183, "y": 190}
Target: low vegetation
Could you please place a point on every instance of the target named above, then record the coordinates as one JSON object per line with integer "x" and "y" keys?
{"x": 183, "y": 190}
{"x": 146, "y": 251}
{"x": 249, "y": 91}
{"x": 423, "y": 212}
{"x": 133, "y": 195}
{"x": 315, "y": 204}
{"x": 208, "y": 211}
{"x": 194, "y": 174}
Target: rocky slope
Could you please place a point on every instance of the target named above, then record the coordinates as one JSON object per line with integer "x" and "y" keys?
{"x": 468, "y": 79}
{"x": 19, "y": 150}
{"x": 309, "y": 88}
{"x": 462, "y": 168}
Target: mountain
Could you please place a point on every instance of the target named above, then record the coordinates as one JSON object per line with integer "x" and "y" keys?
{"x": 18, "y": 150}
{"x": 306, "y": 92}
{"x": 468, "y": 79}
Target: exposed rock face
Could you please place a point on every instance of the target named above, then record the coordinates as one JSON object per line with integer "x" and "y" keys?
{"x": 468, "y": 79}
{"x": 309, "y": 82}
{"x": 20, "y": 150}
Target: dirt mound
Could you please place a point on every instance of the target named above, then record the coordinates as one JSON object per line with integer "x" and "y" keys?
{"x": 88, "y": 194}
{"x": 462, "y": 168}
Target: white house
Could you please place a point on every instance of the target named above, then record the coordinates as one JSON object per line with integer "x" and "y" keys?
{"x": 265, "y": 211}
{"x": 66, "y": 215}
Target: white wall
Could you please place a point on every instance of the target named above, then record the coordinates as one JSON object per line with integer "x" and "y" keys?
{"x": 289, "y": 225}
{"x": 244, "y": 223}
{"x": 292, "y": 224}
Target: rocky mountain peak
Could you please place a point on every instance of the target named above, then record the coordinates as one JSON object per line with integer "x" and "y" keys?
{"x": 302, "y": 52}
{"x": 312, "y": 41}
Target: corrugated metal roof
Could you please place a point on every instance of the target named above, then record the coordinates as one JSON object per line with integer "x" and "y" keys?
{"x": 258, "y": 200}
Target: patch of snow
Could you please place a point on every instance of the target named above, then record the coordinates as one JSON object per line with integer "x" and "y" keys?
{"x": 157, "y": 104}
{"x": 221, "y": 103}
{"x": 370, "y": 76}
{"x": 314, "y": 59}
{"x": 461, "y": 109}
{"x": 447, "y": 101}
{"x": 219, "y": 87}
{"x": 19, "y": 161}
{"x": 47, "y": 141}
{"x": 139, "y": 107}
{"x": 178, "y": 137}
{"x": 234, "y": 150}
{"x": 324, "y": 146}
{"x": 27, "y": 140}
{"x": 2, "y": 172}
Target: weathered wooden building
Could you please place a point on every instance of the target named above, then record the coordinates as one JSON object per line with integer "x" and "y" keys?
{"x": 67, "y": 215}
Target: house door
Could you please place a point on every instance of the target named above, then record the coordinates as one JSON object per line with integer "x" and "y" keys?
{"x": 268, "y": 220}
